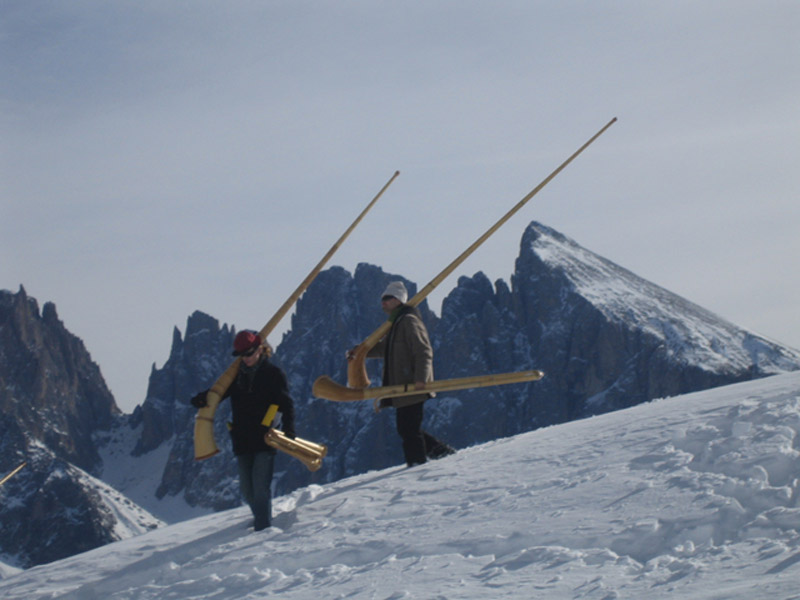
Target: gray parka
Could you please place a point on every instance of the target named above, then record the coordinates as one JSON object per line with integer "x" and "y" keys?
{"x": 407, "y": 354}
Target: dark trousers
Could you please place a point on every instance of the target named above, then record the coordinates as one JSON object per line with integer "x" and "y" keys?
{"x": 255, "y": 483}
{"x": 417, "y": 444}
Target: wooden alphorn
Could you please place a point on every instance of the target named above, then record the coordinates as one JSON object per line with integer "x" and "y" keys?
{"x": 325, "y": 387}
{"x": 356, "y": 368}
{"x": 204, "y": 444}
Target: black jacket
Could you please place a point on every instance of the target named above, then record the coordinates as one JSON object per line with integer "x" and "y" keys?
{"x": 252, "y": 393}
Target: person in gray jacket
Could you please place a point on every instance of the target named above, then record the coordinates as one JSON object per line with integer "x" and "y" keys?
{"x": 408, "y": 358}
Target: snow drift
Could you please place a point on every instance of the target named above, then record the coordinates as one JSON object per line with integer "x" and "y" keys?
{"x": 695, "y": 496}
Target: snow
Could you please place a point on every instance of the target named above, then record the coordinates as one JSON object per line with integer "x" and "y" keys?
{"x": 695, "y": 496}
{"x": 140, "y": 484}
{"x": 129, "y": 518}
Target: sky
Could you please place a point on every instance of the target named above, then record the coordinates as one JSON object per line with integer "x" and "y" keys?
{"x": 159, "y": 158}
{"x": 694, "y": 496}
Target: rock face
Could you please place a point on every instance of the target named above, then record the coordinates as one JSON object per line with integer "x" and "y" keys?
{"x": 605, "y": 338}
{"x": 54, "y": 403}
{"x": 193, "y": 365}
{"x": 49, "y": 387}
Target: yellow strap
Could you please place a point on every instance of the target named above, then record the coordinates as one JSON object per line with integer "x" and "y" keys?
{"x": 270, "y": 415}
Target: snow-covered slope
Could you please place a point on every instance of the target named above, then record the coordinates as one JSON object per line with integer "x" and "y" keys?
{"x": 138, "y": 478}
{"x": 53, "y": 509}
{"x": 688, "y": 497}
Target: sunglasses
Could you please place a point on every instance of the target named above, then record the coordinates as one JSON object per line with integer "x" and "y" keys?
{"x": 250, "y": 352}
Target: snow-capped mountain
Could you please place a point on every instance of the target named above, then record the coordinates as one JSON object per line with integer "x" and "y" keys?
{"x": 687, "y": 332}
{"x": 606, "y": 339}
{"x": 54, "y": 406}
{"x": 694, "y": 496}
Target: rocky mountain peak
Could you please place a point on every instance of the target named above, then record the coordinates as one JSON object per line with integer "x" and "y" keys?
{"x": 54, "y": 406}
{"x": 49, "y": 383}
{"x": 688, "y": 332}
{"x": 194, "y": 363}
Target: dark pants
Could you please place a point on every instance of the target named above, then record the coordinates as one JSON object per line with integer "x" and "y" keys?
{"x": 417, "y": 444}
{"x": 255, "y": 483}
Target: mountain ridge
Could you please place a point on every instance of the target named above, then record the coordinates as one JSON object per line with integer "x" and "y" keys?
{"x": 606, "y": 338}
{"x": 641, "y": 300}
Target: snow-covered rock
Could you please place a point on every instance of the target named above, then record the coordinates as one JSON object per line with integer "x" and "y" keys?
{"x": 54, "y": 404}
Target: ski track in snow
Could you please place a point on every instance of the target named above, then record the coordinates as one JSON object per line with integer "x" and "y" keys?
{"x": 689, "y": 497}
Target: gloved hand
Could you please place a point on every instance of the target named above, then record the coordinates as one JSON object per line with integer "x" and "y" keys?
{"x": 200, "y": 400}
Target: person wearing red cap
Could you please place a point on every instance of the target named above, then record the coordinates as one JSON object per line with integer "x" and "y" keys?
{"x": 259, "y": 400}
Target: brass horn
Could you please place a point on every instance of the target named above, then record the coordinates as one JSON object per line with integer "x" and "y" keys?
{"x": 309, "y": 453}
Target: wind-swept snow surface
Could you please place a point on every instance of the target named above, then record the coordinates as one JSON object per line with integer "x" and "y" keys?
{"x": 689, "y": 497}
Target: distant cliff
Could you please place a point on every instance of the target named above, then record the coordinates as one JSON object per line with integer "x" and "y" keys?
{"x": 605, "y": 338}
{"x": 54, "y": 404}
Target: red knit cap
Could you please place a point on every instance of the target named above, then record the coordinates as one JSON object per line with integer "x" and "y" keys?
{"x": 244, "y": 341}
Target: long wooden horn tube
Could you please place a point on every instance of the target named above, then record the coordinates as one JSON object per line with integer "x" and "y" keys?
{"x": 14, "y": 472}
{"x": 273, "y": 322}
{"x": 327, "y": 388}
{"x": 204, "y": 444}
{"x": 356, "y": 369}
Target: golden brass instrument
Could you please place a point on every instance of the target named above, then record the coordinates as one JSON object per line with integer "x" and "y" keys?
{"x": 309, "y": 453}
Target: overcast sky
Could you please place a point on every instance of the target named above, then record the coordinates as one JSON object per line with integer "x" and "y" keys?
{"x": 164, "y": 157}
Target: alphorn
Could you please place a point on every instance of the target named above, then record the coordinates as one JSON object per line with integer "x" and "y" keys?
{"x": 309, "y": 453}
{"x": 356, "y": 369}
{"x": 204, "y": 444}
{"x": 327, "y": 388}
{"x": 14, "y": 472}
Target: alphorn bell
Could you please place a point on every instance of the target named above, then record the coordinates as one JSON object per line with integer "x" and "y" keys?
{"x": 309, "y": 453}
{"x": 204, "y": 444}
{"x": 356, "y": 368}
